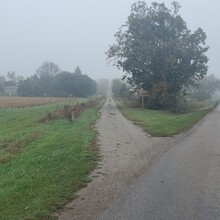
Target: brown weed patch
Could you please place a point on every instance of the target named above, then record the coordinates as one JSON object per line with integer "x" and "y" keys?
{"x": 22, "y": 102}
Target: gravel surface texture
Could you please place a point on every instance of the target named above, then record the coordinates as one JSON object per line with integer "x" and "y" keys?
{"x": 126, "y": 151}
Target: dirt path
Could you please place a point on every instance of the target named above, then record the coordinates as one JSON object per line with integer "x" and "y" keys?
{"x": 183, "y": 184}
{"x": 126, "y": 152}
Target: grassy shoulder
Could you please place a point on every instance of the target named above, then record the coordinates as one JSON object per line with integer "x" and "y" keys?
{"x": 43, "y": 164}
{"x": 162, "y": 123}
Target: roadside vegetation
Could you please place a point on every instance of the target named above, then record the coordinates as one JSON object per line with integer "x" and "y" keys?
{"x": 21, "y": 102}
{"x": 43, "y": 164}
{"x": 164, "y": 123}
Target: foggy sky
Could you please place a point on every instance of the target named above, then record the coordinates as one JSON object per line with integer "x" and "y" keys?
{"x": 78, "y": 32}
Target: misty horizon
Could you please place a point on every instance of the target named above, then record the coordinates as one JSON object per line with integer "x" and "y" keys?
{"x": 72, "y": 34}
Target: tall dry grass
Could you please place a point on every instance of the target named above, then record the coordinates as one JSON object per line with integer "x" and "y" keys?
{"x": 22, "y": 102}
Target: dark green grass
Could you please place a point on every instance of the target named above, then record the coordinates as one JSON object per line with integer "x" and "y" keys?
{"x": 45, "y": 163}
{"x": 162, "y": 123}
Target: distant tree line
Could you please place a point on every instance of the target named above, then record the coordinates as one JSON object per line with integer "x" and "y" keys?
{"x": 119, "y": 88}
{"x": 49, "y": 80}
{"x": 204, "y": 89}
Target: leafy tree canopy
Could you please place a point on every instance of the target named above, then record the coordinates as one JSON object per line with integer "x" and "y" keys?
{"x": 158, "y": 53}
{"x": 14, "y": 78}
{"x": 48, "y": 69}
{"x": 77, "y": 70}
{"x": 62, "y": 84}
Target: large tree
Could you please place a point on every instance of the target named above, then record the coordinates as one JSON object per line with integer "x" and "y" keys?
{"x": 13, "y": 78}
{"x": 158, "y": 53}
{"x": 48, "y": 69}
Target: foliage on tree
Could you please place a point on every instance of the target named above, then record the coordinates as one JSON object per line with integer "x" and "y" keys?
{"x": 159, "y": 95}
{"x": 25, "y": 87}
{"x": 62, "y": 84}
{"x": 204, "y": 88}
{"x": 77, "y": 70}
{"x": 48, "y": 69}
{"x": 119, "y": 88}
{"x": 74, "y": 84}
{"x": 13, "y": 78}
{"x": 158, "y": 53}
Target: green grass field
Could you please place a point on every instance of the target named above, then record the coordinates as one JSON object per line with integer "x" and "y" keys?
{"x": 162, "y": 123}
{"x": 43, "y": 164}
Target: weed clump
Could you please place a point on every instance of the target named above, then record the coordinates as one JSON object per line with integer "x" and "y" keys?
{"x": 70, "y": 111}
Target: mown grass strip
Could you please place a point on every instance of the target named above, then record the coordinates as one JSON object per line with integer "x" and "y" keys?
{"x": 47, "y": 171}
{"x": 162, "y": 123}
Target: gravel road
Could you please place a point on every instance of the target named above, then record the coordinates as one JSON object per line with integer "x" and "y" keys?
{"x": 183, "y": 184}
{"x": 127, "y": 151}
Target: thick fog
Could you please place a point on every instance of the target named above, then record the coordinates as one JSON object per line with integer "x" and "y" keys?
{"x": 78, "y": 32}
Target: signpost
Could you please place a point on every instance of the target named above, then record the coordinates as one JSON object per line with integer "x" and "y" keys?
{"x": 142, "y": 93}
